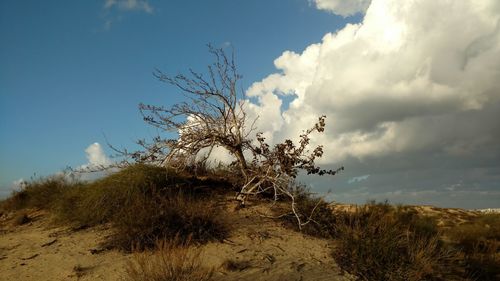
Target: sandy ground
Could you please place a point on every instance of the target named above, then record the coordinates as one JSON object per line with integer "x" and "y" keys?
{"x": 273, "y": 252}
{"x": 447, "y": 217}
{"x": 40, "y": 251}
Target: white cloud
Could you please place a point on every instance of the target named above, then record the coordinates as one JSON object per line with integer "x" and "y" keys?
{"x": 343, "y": 7}
{"x": 96, "y": 157}
{"x": 129, "y": 5}
{"x": 18, "y": 184}
{"x": 358, "y": 179}
{"x": 114, "y": 10}
{"x": 398, "y": 82}
{"x": 411, "y": 95}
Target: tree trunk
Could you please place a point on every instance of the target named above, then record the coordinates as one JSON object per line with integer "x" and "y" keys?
{"x": 242, "y": 162}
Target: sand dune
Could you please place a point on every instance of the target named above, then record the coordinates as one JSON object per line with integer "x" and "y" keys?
{"x": 39, "y": 250}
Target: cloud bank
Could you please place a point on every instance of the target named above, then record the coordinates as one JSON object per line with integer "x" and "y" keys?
{"x": 414, "y": 86}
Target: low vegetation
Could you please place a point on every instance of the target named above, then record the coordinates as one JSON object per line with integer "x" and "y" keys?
{"x": 381, "y": 242}
{"x": 147, "y": 204}
{"x": 143, "y": 204}
{"x": 479, "y": 241}
{"x": 312, "y": 209}
{"x": 146, "y": 219}
{"x": 42, "y": 193}
{"x": 378, "y": 241}
{"x": 171, "y": 261}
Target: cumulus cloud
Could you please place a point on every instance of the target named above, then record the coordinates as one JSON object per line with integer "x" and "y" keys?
{"x": 96, "y": 160}
{"x": 343, "y": 7}
{"x": 96, "y": 157}
{"x": 414, "y": 85}
{"x": 386, "y": 81}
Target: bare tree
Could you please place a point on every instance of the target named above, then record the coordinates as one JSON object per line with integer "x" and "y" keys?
{"x": 214, "y": 115}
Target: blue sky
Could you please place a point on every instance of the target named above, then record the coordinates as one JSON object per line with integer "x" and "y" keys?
{"x": 67, "y": 77}
{"x": 411, "y": 102}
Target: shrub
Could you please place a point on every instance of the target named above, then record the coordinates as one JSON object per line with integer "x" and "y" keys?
{"x": 172, "y": 261}
{"x": 100, "y": 201}
{"x": 146, "y": 203}
{"x": 165, "y": 216}
{"x": 380, "y": 242}
{"x": 41, "y": 193}
{"x": 68, "y": 208}
{"x": 479, "y": 240}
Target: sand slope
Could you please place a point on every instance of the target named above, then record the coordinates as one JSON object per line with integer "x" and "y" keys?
{"x": 40, "y": 251}
{"x": 273, "y": 252}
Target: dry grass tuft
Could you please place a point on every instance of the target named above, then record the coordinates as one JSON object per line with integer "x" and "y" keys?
{"x": 381, "y": 242}
{"x": 172, "y": 261}
{"x": 165, "y": 216}
{"x": 43, "y": 193}
{"x": 100, "y": 201}
{"x": 479, "y": 240}
{"x": 146, "y": 203}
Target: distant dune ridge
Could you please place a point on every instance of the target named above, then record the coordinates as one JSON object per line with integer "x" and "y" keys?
{"x": 490, "y": 211}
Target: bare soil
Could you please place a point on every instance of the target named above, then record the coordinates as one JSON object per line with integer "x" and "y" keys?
{"x": 39, "y": 250}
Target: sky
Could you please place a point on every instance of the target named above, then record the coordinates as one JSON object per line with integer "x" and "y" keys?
{"x": 410, "y": 88}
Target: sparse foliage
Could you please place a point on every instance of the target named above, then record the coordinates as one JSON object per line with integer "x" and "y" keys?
{"x": 212, "y": 115}
{"x": 275, "y": 169}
